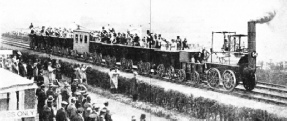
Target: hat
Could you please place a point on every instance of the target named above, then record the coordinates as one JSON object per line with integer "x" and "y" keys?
{"x": 19, "y": 53}
{"x": 80, "y": 110}
{"x": 103, "y": 111}
{"x": 106, "y": 103}
{"x": 93, "y": 115}
{"x": 136, "y": 73}
{"x": 96, "y": 106}
{"x": 89, "y": 109}
{"x": 85, "y": 93}
{"x": 77, "y": 93}
{"x": 50, "y": 98}
{"x": 64, "y": 102}
{"x": 73, "y": 98}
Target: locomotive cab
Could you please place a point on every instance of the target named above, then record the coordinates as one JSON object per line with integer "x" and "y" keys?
{"x": 237, "y": 61}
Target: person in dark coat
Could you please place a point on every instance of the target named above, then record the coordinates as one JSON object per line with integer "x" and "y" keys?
{"x": 62, "y": 113}
{"x": 136, "y": 40}
{"x": 22, "y": 69}
{"x": 134, "y": 87}
{"x": 48, "y": 111}
{"x": 40, "y": 78}
{"x": 52, "y": 92}
{"x": 29, "y": 69}
{"x": 35, "y": 72}
{"x": 94, "y": 117}
{"x": 65, "y": 93}
{"x": 142, "y": 118}
{"x": 74, "y": 86}
{"x": 79, "y": 116}
{"x": 184, "y": 44}
{"x": 40, "y": 93}
{"x": 15, "y": 68}
{"x": 31, "y": 26}
{"x": 71, "y": 109}
{"x": 58, "y": 71}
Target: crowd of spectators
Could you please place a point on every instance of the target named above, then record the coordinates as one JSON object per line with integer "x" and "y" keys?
{"x": 110, "y": 36}
{"x": 63, "y": 101}
{"x": 151, "y": 40}
{"x": 49, "y": 31}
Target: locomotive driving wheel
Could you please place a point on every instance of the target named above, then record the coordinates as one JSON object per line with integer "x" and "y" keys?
{"x": 160, "y": 70}
{"x": 213, "y": 77}
{"x": 170, "y": 72}
{"x": 139, "y": 65}
{"x": 181, "y": 75}
{"x": 249, "y": 82}
{"x": 229, "y": 80}
{"x": 194, "y": 77}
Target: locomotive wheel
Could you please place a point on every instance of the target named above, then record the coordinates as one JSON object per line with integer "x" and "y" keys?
{"x": 181, "y": 75}
{"x": 229, "y": 80}
{"x": 123, "y": 63}
{"x": 194, "y": 77}
{"x": 146, "y": 67}
{"x": 170, "y": 72}
{"x": 160, "y": 70}
{"x": 213, "y": 77}
{"x": 139, "y": 65}
{"x": 249, "y": 82}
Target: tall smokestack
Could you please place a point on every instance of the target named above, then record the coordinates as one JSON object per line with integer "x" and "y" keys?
{"x": 252, "y": 43}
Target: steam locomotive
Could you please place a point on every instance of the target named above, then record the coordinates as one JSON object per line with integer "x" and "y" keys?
{"x": 178, "y": 65}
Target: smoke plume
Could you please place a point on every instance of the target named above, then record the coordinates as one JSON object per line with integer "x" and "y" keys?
{"x": 267, "y": 18}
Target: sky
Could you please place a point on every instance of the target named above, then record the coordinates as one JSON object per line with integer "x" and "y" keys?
{"x": 191, "y": 19}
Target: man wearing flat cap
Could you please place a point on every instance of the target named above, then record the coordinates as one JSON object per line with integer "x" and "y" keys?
{"x": 62, "y": 113}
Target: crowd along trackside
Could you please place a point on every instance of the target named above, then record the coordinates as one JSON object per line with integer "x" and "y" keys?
{"x": 223, "y": 69}
{"x": 17, "y": 97}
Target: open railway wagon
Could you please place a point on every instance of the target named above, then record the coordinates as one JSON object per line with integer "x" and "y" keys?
{"x": 236, "y": 63}
{"x": 51, "y": 44}
{"x": 17, "y": 97}
{"x": 164, "y": 63}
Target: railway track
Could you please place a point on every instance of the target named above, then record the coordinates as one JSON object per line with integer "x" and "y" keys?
{"x": 264, "y": 92}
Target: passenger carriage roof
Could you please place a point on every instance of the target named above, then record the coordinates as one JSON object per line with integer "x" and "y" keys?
{"x": 82, "y": 31}
{"x": 13, "y": 82}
